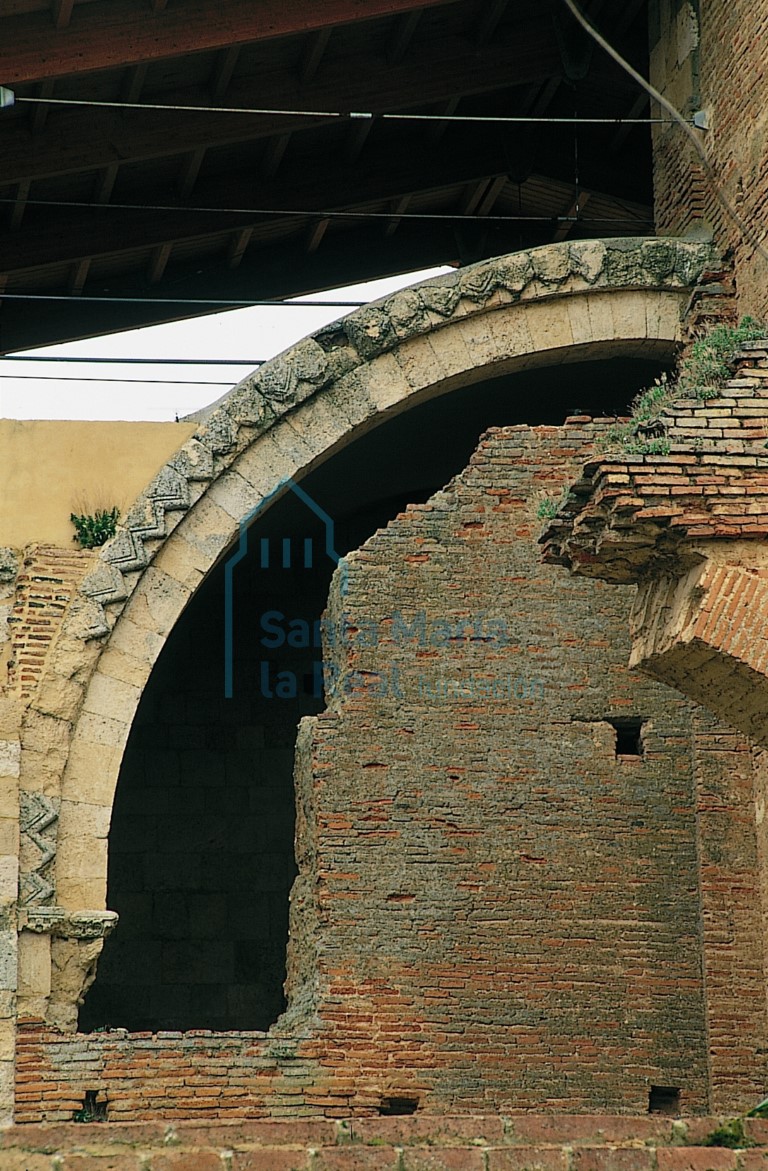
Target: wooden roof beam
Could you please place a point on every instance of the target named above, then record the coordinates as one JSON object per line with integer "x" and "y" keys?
{"x": 105, "y": 184}
{"x": 189, "y": 172}
{"x": 398, "y": 206}
{"x": 79, "y": 276}
{"x": 491, "y": 20}
{"x": 237, "y": 246}
{"x": 492, "y": 193}
{"x": 134, "y": 83}
{"x": 70, "y": 235}
{"x": 116, "y": 35}
{"x": 20, "y": 206}
{"x": 634, "y": 111}
{"x": 159, "y": 263}
{"x": 313, "y": 55}
{"x": 62, "y": 13}
{"x": 222, "y": 75}
{"x": 87, "y": 139}
{"x": 273, "y": 155}
{"x": 358, "y": 137}
{"x": 40, "y": 113}
{"x": 406, "y": 27}
{"x": 316, "y": 233}
{"x": 577, "y": 205}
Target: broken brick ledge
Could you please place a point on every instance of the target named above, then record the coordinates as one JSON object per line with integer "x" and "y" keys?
{"x": 545, "y": 1142}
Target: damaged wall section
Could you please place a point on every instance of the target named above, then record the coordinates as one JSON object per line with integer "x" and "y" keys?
{"x": 494, "y": 909}
{"x": 532, "y": 896}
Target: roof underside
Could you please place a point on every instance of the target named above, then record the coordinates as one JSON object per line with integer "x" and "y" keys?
{"x": 159, "y": 203}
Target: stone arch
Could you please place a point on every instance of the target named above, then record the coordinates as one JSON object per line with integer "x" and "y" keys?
{"x": 557, "y": 304}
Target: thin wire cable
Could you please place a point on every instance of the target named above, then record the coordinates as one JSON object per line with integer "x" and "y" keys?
{"x": 343, "y": 114}
{"x": 139, "y": 381}
{"x": 746, "y": 231}
{"x": 137, "y": 361}
{"x": 317, "y": 213}
{"x": 180, "y": 301}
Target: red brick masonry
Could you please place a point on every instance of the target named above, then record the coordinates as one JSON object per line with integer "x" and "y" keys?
{"x": 532, "y": 1142}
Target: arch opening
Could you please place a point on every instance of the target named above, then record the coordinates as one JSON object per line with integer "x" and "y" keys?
{"x": 201, "y": 844}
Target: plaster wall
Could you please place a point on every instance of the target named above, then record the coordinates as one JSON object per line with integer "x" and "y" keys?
{"x": 50, "y": 468}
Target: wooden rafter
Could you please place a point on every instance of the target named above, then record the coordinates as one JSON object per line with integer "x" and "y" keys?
{"x": 222, "y": 76}
{"x": 62, "y": 13}
{"x": 117, "y": 34}
{"x": 237, "y": 246}
{"x": 384, "y": 178}
{"x": 406, "y": 27}
{"x": 316, "y": 233}
{"x": 313, "y": 55}
{"x": 83, "y": 140}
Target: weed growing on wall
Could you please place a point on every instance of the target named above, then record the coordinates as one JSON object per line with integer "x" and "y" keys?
{"x": 93, "y": 529}
{"x": 700, "y": 375}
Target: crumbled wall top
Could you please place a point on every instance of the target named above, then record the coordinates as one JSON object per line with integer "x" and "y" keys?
{"x": 632, "y": 515}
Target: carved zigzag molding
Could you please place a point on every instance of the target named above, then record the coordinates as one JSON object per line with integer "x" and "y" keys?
{"x": 257, "y": 402}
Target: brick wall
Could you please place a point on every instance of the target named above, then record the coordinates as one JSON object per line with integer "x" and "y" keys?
{"x": 495, "y": 911}
{"x": 48, "y": 579}
{"x": 713, "y": 56}
{"x": 438, "y": 1143}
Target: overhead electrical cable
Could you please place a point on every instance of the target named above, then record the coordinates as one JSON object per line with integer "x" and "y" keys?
{"x": 745, "y": 229}
{"x": 319, "y": 213}
{"x": 365, "y": 115}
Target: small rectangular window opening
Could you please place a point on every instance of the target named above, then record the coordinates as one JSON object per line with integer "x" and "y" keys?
{"x": 629, "y": 735}
{"x": 398, "y": 1105}
{"x": 664, "y": 1100}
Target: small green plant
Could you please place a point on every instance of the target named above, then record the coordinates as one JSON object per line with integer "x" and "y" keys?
{"x": 700, "y": 375}
{"x": 730, "y": 1134}
{"x": 93, "y": 529}
{"x": 547, "y": 508}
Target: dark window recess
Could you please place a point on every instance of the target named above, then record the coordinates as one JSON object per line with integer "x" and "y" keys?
{"x": 664, "y": 1100}
{"x": 398, "y": 1105}
{"x": 629, "y": 735}
{"x": 92, "y": 1110}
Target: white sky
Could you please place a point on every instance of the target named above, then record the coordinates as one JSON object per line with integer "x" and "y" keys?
{"x": 260, "y": 332}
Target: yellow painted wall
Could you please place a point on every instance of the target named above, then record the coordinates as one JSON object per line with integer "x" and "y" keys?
{"x": 49, "y": 469}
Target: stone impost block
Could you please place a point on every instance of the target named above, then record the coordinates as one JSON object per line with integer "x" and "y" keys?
{"x": 34, "y": 964}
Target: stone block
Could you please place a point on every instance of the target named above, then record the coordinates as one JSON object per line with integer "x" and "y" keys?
{"x": 272, "y": 1159}
{"x": 187, "y": 1161}
{"x": 696, "y": 1159}
{"x": 611, "y": 1158}
{"x": 9, "y": 837}
{"x": 111, "y": 697}
{"x": 9, "y": 877}
{"x": 92, "y": 766}
{"x": 34, "y": 964}
{"x": 155, "y": 606}
{"x": 10, "y": 758}
{"x": 549, "y": 326}
{"x": 442, "y": 1159}
{"x": 527, "y": 1159}
{"x": 128, "y": 668}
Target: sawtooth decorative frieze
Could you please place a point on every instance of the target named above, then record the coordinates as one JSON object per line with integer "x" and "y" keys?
{"x": 38, "y": 816}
